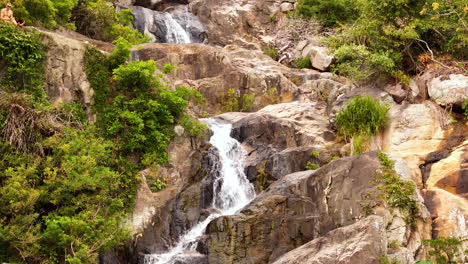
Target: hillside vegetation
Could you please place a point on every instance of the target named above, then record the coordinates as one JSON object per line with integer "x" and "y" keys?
{"x": 395, "y": 38}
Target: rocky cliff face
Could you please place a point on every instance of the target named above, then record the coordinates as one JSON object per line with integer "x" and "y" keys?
{"x": 299, "y": 216}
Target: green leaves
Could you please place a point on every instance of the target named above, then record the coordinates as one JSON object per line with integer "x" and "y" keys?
{"x": 363, "y": 115}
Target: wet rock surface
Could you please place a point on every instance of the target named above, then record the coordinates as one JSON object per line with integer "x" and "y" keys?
{"x": 298, "y": 208}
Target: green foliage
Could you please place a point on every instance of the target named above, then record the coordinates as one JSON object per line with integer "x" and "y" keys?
{"x": 24, "y": 55}
{"x": 98, "y": 19}
{"x": 247, "y": 102}
{"x": 315, "y": 154}
{"x": 68, "y": 204}
{"x": 273, "y": 96}
{"x": 312, "y": 166}
{"x": 120, "y": 54}
{"x": 396, "y": 192}
{"x": 386, "y": 260}
{"x": 97, "y": 70}
{"x": 271, "y": 52}
{"x": 465, "y": 108}
{"x": 424, "y": 262}
{"x": 303, "y": 62}
{"x": 46, "y": 13}
{"x": 385, "y": 37}
{"x": 357, "y": 62}
{"x": 71, "y": 114}
{"x": 329, "y": 12}
{"x": 168, "y": 68}
{"x": 230, "y": 101}
{"x": 362, "y": 116}
{"x": 142, "y": 119}
{"x": 444, "y": 250}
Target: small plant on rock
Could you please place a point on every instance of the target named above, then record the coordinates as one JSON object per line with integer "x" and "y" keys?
{"x": 444, "y": 250}
{"x": 303, "y": 62}
{"x": 361, "y": 118}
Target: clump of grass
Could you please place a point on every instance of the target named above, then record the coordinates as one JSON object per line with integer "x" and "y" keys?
{"x": 302, "y": 62}
{"x": 361, "y": 118}
{"x": 270, "y": 52}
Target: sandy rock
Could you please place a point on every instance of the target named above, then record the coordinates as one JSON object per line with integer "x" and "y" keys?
{"x": 447, "y": 194}
{"x": 213, "y": 71}
{"x": 65, "y": 76}
{"x": 362, "y": 242}
{"x": 414, "y": 131}
{"x": 286, "y": 7}
{"x": 449, "y": 90}
{"x": 320, "y": 58}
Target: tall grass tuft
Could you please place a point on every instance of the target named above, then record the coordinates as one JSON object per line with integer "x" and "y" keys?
{"x": 361, "y": 118}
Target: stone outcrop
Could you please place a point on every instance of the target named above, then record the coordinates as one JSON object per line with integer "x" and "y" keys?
{"x": 306, "y": 205}
{"x": 238, "y": 22}
{"x": 159, "y": 217}
{"x": 214, "y": 71}
{"x": 280, "y": 139}
{"x": 66, "y": 80}
{"x": 362, "y": 242}
{"x": 449, "y": 90}
{"x": 414, "y": 131}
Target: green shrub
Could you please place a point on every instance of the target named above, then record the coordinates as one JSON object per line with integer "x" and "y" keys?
{"x": 396, "y": 192}
{"x": 465, "y": 108}
{"x": 98, "y": 19}
{"x": 271, "y": 52}
{"x": 444, "y": 250}
{"x": 230, "y": 101}
{"x": 329, "y": 12}
{"x": 120, "y": 54}
{"x": 248, "y": 101}
{"x": 385, "y": 37}
{"x": 24, "y": 55}
{"x": 361, "y": 118}
{"x": 303, "y": 62}
{"x": 98, "y": 73}
{"x": 168, "y": 68}
{"x": 363, "y": 115}
{"x": 358, "y": 63}
{"x": 312, "y": 166}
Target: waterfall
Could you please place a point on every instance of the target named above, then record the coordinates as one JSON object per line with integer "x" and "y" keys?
{"x": 235, "y": 192}
{"x": 174, "y": 25}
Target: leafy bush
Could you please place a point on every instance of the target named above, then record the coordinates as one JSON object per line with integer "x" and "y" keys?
{"x": 363, "y": 115}
{"x": 361, "y": 118}
{"x": 168, "y": 68}
{"x": 303, "y": 62}
{"x": 444, "y": 250}
{"x": 98, "y": 19}
{"x": 385, "y": 37}
{"x": 271, "y": 52}
{"x": 329, "y": 12}
{"x": 312, "y": 166}
{"x": 396, "y": 192}
{"x": 24, "y": 55}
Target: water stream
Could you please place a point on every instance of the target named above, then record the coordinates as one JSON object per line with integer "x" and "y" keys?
{"x": 235, "y": 192}
{"x": 175, "y": 25}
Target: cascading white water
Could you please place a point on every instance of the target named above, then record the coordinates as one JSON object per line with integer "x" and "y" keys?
{"x": 235, "y": 191}
{"x": 175, "y": 25}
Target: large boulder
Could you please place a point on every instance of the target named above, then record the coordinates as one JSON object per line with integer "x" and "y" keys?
{"x": 66, "y": 79}
{"x": 451, "y": 90}
{"x": 280, "y": 139}
{"x": 239, "y": 22}
{"x": 414, "y": 131}
{"x": 362, "y": 242}
{"x": 306, "y": 205}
